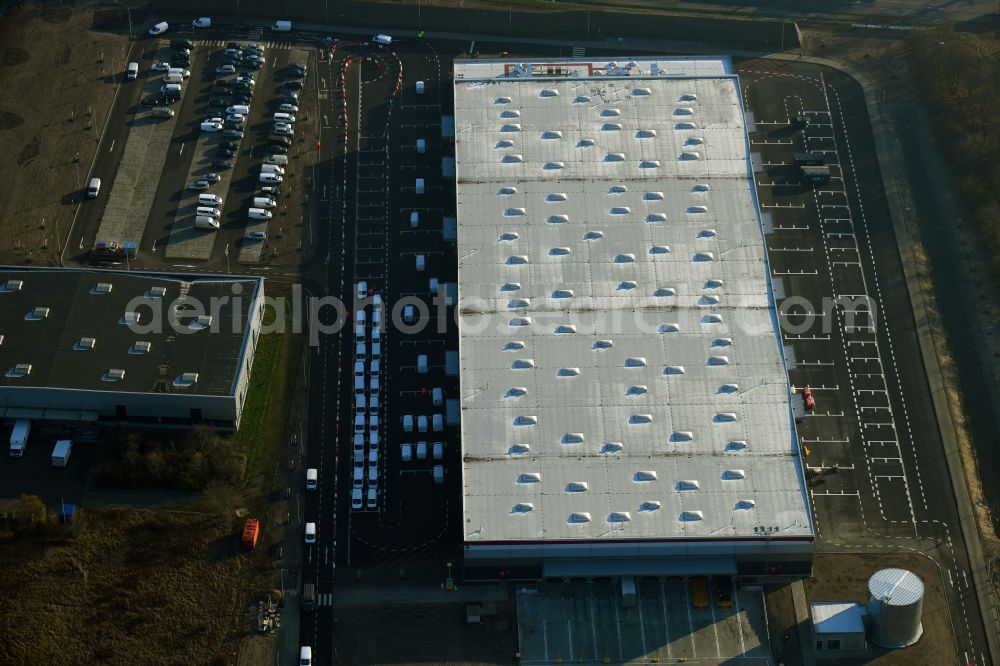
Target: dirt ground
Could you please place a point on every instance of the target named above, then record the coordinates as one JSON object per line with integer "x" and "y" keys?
{"x": 49, "y": 124}
{"x": 172, "y": 581}
{"x": 844, "y": 577}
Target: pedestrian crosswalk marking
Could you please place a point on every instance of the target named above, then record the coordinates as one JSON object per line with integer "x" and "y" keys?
{"x": 578, "y": 52}
{"x": 324, "y": 599}
{"x": 217, "y": 43}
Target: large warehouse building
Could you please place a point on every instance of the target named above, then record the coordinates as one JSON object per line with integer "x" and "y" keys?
{"x": 625, "y": 403}
{"x": 126, "y": 348}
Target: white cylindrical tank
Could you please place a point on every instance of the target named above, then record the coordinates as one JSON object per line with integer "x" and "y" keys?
{"x": 895, "y": 603}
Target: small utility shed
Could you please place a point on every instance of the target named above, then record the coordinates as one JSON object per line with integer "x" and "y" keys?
{"x": 838, "y": 628}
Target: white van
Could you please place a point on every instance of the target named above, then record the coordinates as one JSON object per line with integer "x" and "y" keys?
{"x": 421, "y": 450}
{"x": 269, "y": 178}
{"x": 208, "y": 126}
{"x": 310, "y": 532}
{"x": 422, "y": 423}
{"x": 185, "y": 73}
{"x": 272, "y": 168}
{"x": 374, "y": 368}
{"x": 359, "y": 476}
{"x": 373, "y": 440}
{"x": 132, "y": 71}
{"x": 421, "y": 263}
{"x": 207, "y": 211}
{"x": 438, "y": 450}
{"x": 376, "y": 351}
{"x": 373, "y": 388}
{"x": 170, "y": 78}
{"x": 407, "y": 452}
{"x": 373, "y": 404}
{"x": 359, "y": 334}
{"x": 373, "y": 423}
{"x": 263, "y": 202}
{"x": 420, "y": 87}
{"x": 414, "y": 219}
{"x": 422, "y": 364}
{"x": 383, "y": 39}
{"x": 171, "y": 87}
{"x": 94, "y": 188}
{"x": 205, "y": 222}
{"x": 356, "y": 498}
{"x": 438, "y": 474}
{"x": 408, "y": 423}
{"x": 372, "y": 498}
{"x": 241, "y": 109}
{"x": 312, "y": 478}
{"x": 359, "y": 369}
{"x": 359, "y": 385}
{"x": 281, "y": 117}
{"x": 359, "y": 447}
{"x": 281, "y": 26}
{"x": 259, "y": 214}
{"x": 420, "y": 186}
{"x": 437, "y": 396}
{"x": 280, "y": 160}
{"x": 305, "y": 656}
{"x": 437, "y": 423}
{"x": 361, "y": 316}
{"x": 209, "y": 200}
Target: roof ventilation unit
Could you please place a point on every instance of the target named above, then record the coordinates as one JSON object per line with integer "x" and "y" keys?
{"x": 518, "y": 303}
{"x": 687, "y": 485}
{"x": 518, "y": 449}
{"x": 519, "y": 321}
{"x": 85, "y": 344}
{"x": 556, "y": 196}
{"x": 525, "y": 420}
{"x": 522, "y": 508}
{"x": 510, "y": 127}
{"x": 578, "y": 518}
{"x": 506, "y": 191}
{"x": 688, "y": 97}
{"x": 186, "y": 379}
{"x": 517, "y": 259}
{"x": 614, "y": 157}
{"x": 674, "y": 370}
{"x": 513, "y": 345}
{"x": 653, "y": 196}
{"x": 12, "y": 285}
{"x": 711, "y": 299}
{"x": 140, "y": 347}
{"x": 684, "y": 112}
{"x": 659, "y": 249}
{"x": 670, "y": 327}
{"x": 645, "y": 134}
{"x": 690, "y": 155}
{"x": 562, "y": 293}
{"x": 559, "y": 251}
{"x": 508, "y": 236}
{"x": 625, "y": 259}
{"x": 636, "y": 390}
{"x": 113, "y": 375}
{"x": 652, "y": 505}
{"x": 685, "y": 126}
{"x": 712, "y": 319}
{"x": 603, "y": 344}
{"x": 549, "y": 92}
{"x": 576, "y": 487}
{"x": 665, "y": 291}
{"x": 611, "y": 448}
{"x": 703, "y": 256}
{"x": 611, "y": 112}
{"x": 562, "y": 329}
{"x": 522, "y": 364}
{"x": 640, "y": 419}
{"x": 584, "y": 143}
{"x": 619, "y": 517}
{"x": 644, "y": 477}
{"x": 745, "y": 505}
{"x": 729, "y": 388}
{"x": 691, "y": 516}
{"x": 737, "y": 446}
{"x": 572, "y": 438}
{"x": 130, "y": 319}
{"x": 649, "y": 164}
{"x": 510, "y": 286}
{"x": 558, "y": 219}
{"x": 626, "y": 285}
{"x": 611, "y": 127}
{"x": 593, "y": 235}
{"x": 19, "y": 370}
{"x": 549, "y": 135}
{"x": 707, "y": 233}
{"x": 617, "y": 189}
{"x": 734, "y": 474}
{"x": 694, "y": 141}
{"x": 682, "y": 436}
{"x": 201, "y": 323}
{"x": 510, "y": 113}
{"x": 696, "y": 210}
{"x": 549, "y": 166}
{"x": 102, "y": 288}
{"x": 641, "y": 92}
{"x": 718, "y": 360}
{"x": 722, "y": 342}
{"x": 512, "y": 159}
{"x": 504, "y": 143}
{"x": 635, "y": 362}
{"x": 713, "y": 283}
{"x": 581, "y": 99}
{"x": 502, "y": 100}
{"x": 516, "y": 392}
{"x": 568, "y": 372}
{"x": 653, "y": 218}
{"x": 37, "y": 314}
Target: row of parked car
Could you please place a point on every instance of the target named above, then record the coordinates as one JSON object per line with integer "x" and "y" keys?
{"x": 366, "y": 402}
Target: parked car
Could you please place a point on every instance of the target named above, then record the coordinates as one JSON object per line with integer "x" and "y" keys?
{"x": 153, "y": 100}
{"x": 226, "y": 152}
{"x": 283, "y": 129}
{"x": 203, "y": 22}
{"x": 243, "y": 98}
{"x": 221, "y": 88}
{"x": 212, "y": 177}
{"x": 253, "y": 64}
{"x": 199, "y": 185}
{"x": 288, "y": 108}
{"x": 230, "y": 145}
{"x": 280, "y": 141}
{"x": 234, "y": 133}
{"x": 222, "y": 164}
{"x": 232, "y": 45}
{"x": 159, "y": 28}
{"x": 225, "y": 69}
{"x": 289, "y": 98}
{"x": 160, "y": 66}
{"x": 292, "y": 85}
{"x": 217, "y": 101}
{"x": 276, "y": 150}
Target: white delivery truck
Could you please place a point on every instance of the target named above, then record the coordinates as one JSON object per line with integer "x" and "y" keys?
{"x": 438, "y": 474}
{"x": 281, "y": 26}
{"x": 437, "y": 396}
{"x": 60, "y": 454}
{"x": 19, "y": 437}
{"x": 419, "y": 185}
{"x": 421, "y": 146}
{"x": 422, "y": 364}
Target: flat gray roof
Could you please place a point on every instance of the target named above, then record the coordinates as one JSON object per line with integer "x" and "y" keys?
{"x": 81, "y": 335}
{"x": 621, "y": 367}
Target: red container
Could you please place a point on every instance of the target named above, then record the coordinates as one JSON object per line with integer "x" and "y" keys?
{"x": 251, "y": 530}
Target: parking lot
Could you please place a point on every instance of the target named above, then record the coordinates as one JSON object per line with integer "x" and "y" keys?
{"x": 161, "y": 155}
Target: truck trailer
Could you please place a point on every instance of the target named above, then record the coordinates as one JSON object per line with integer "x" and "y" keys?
{"x": 19, "y": 437}
{"x": 61, "y": 452}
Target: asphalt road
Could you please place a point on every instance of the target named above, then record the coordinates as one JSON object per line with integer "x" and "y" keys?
{"x": 899, "y": 12}
{"x": 873, "y": 419}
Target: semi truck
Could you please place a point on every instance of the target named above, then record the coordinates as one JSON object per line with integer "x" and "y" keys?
{"x": 815, "y": 175}
{"x": 19, "y": 437}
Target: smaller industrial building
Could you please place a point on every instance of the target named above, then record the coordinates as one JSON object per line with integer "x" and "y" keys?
{"x": 126, "y": 348}
{"x": 838, "y": 628}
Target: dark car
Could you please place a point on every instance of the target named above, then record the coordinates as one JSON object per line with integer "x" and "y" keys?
{"x": 280, "y": 141}
{"x": 180, "y": 62}
{"x": 253, "y": 64}
{"x": 226, "y": 152}
{"x": 276, "y": 150}
{"x": 232, "y": 45}
{"x": 153, "y": 100}
{"x": 181, "y": 44}
{"x": 242, "y": 99}
{"x": 288, "y": 99}
{"x": 801, "y": 121}
{"x": 723, "y": 591}
{"x": 292, "y": 85}
{"x": 229, "y": 145}
{"x": 217, "y": 101}
{"x": 182, "y": 54}
{"x": 222, "y": 164}
{"x": 220, "y": 89}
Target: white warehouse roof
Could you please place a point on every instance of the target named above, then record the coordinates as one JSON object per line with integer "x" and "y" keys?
{"x": 621, "y": 368}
